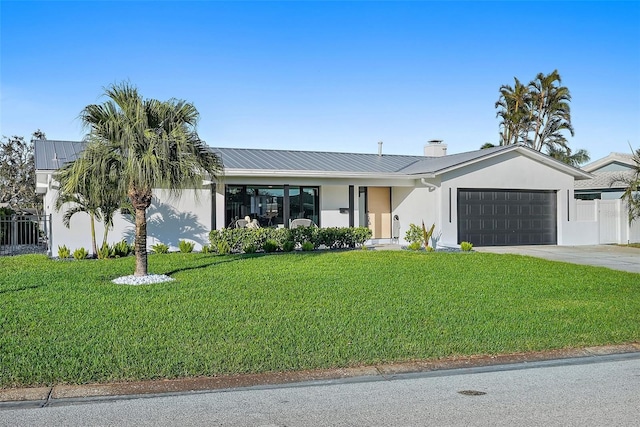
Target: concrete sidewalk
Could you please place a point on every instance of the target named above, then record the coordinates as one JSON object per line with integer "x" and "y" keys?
{"x": 610, "y": 256}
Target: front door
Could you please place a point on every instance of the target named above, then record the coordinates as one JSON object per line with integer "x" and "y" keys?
{"x": 379, "y": 211}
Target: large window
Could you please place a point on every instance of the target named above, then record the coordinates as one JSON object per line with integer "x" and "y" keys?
{"x": 267, "y": 203}
{"x": 303, "y": 203}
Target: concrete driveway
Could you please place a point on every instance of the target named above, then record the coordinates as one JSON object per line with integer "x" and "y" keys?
{"x": 610, "y": 256}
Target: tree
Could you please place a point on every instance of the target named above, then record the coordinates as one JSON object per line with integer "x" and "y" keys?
{"x": 90, "y": 185}
{"x": 566, "y": 156}
{"x": 17, "y": 173}
{"x": 551, "y": 113}
{"x": 631, "y": 193}
{"x": 38, "y": 134}
{"x": 538, "y": 115}
{"x": 154, "y": 145}
{"x": 514, "y": 104}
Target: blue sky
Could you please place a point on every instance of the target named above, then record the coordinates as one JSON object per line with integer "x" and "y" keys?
{"x": 335, "y": 76}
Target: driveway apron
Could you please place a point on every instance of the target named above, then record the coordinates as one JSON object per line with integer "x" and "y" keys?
{"x": 610, "y": 256}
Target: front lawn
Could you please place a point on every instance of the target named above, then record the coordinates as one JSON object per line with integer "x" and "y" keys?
{"x": 65, "y": 322}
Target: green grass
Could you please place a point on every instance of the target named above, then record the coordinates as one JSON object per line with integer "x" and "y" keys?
{"x": 65, "y": 322}
{"x": 632, "y": 245}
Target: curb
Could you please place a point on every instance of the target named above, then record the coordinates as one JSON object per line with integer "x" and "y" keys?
{"x": 43, "y": 396}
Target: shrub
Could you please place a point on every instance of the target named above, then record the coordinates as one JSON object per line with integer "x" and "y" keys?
{"x": 185, "y": 246}
{"x": 361, "y": 235}
{"x": 427, "y": 234}
{"x": 280, "y": 235}
{"x": 160, "y": 248}
{"x": 414, "y": 235}
{"x": 63, "y": 252}
{"x": 223, "y": 248}
{"x": 331, "y": 237}
{"x": 270, "y": 246}
{"x": 307, "y": 234}
{"x": 238, "y": 239}
{"x": 121, "y": 249}
{"x": 105, "y": 251}
{"x": 206, "y": 249}
{"x": 414, "y": 246}
{"x": 80, "y": 253}
{"x": 288, "y": 246}
{"x": 249, "y": 248}
{"x": 466, "y": 246}
{"x": 308, "y": 246}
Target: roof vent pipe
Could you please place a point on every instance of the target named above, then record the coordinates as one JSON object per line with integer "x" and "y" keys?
{"x": 379, "y": 148}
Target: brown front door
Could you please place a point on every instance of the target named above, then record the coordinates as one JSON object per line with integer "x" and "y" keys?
{"x": 379, "y": 204}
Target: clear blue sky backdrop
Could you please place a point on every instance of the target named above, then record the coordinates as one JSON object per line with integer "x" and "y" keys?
{"x": 324, "y": 75}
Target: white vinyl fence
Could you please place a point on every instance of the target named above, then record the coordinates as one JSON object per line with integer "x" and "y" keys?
{"x": 612, "y": 218}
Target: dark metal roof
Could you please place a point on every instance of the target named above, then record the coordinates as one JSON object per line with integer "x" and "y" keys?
{"x": 51, "y": 155}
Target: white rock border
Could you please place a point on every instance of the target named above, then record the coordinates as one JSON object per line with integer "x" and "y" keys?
{"x": 149, "y": 279}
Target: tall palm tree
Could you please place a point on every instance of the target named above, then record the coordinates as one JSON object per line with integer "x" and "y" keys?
{"x": 154, "y": 145}
{"x": 551, "y": 113}
{"x": 90, "y": 186}
{"x": 515, "y": 113}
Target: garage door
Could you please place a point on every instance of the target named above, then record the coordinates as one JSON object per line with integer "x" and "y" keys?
{"x": 507, "y": 217}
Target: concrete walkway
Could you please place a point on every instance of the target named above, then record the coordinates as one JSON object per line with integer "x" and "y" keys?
{"x": 610, "y": 256}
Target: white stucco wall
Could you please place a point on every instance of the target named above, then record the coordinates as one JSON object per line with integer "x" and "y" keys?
{"x": 169, "y": 220}
{"x": 332, "y": 199}
{"x": 414, "y": 205}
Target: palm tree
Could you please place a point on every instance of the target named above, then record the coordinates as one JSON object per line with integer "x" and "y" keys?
{"x": 91, "y": 187}
{"x": 551, "y": 113}
{"x": 632, "y": 188}
{"x": 566, "y": 156}
{"x": 515, "y": 112}
{"x": 154, "y": 145}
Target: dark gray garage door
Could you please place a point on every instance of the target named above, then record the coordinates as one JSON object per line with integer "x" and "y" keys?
{"x": 507, "y": 217}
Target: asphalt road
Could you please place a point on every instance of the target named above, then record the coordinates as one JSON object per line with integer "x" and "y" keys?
{"x": 573, "y": 392}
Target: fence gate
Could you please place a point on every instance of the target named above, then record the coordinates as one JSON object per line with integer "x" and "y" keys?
{"x": 609, "y": 218}
{"x": 25, "y": 234}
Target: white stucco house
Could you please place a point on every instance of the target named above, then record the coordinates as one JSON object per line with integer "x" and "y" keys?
{"x": 509, "y": 195}
{"x": 604, "y": 171}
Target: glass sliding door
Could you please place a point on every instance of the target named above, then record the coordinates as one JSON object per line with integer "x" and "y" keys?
{"x": 266, "y": 204}
{"x": 304, "y": 203}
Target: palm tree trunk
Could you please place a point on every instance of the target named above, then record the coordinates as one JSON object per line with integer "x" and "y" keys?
{"x": 106, "y": 233}
{"x": 93, "y": 236}
{"x": 141, "y": 242}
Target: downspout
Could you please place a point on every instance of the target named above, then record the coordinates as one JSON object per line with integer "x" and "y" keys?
{"x": 431, "y": 187}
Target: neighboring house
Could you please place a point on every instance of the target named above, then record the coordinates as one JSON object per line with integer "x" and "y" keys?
{"x": 599, "y": 200}
{"x": 508, "y": 195}
{"x": 604, "y": 171}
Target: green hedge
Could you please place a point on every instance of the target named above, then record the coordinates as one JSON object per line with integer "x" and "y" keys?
{"x": 238, "y": 239}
